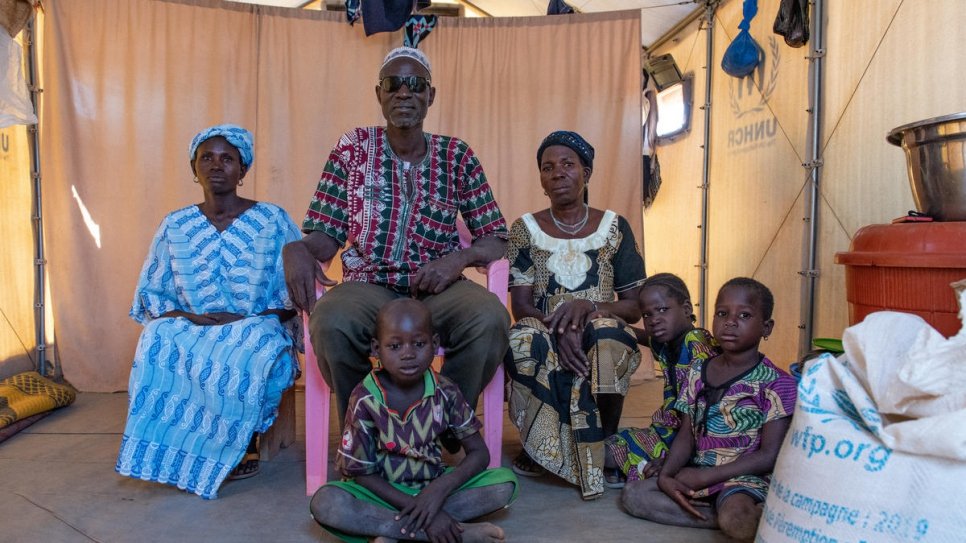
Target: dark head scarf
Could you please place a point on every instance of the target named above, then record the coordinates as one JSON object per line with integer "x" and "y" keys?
{"x": 572, "y": 140}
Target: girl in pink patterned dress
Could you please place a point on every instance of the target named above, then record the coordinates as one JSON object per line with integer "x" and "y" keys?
{"x": 735, "y": 410}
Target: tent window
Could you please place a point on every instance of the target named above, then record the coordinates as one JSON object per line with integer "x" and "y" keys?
{"x": 674, "y": 111}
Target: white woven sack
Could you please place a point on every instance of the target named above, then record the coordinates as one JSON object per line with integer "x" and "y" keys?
{"x": 876, "y": 451}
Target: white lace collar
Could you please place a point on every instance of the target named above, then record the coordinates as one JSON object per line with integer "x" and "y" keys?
{"x": 568, "y": 260}
{"x": 549, "y": 243}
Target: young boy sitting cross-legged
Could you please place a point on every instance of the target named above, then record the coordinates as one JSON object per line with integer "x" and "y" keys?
{"x": 397, "y": 486}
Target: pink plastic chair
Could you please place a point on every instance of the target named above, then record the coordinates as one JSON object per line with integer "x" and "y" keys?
{"x": 318, "y": 395}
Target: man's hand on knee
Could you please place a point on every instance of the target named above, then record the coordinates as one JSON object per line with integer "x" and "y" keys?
{"x": 433, "y": 277}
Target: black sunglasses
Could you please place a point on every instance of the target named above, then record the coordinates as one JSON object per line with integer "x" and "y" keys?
{"x": 415, "y": 83}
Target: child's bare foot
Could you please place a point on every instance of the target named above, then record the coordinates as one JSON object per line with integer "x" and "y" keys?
{"x": 482, "y": 532}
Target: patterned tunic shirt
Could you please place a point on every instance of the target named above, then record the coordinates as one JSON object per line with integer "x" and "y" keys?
{"x": 402, "y": 447}
{"x": 731, "y": 427}
{"x": 361, "y": 199}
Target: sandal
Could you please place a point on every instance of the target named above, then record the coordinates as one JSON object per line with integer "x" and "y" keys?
{"x": 248, "y": 467}
{"x": 526, "y": 466}
{"x": 614, "y": 478}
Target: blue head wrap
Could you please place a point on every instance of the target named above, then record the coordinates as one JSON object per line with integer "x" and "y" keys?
{"x": 234, "y": 134}
{"x": 573, "y": 140}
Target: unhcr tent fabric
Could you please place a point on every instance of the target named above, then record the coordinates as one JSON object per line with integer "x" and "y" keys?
{"x": 888, "y": 63}
{"x": 17, "y": 333}
{"x": 127, "y": 83}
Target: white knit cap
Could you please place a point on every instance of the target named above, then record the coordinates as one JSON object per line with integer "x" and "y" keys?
{"x": 408, "y": 52}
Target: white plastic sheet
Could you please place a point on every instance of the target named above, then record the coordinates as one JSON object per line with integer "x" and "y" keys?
{"x": 15, "y": 106}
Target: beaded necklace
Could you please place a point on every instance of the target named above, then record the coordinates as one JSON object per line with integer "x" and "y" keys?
{"x": 571, "y": 229}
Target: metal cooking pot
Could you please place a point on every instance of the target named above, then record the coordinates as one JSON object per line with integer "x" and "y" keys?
{"x": 936, "y": 160}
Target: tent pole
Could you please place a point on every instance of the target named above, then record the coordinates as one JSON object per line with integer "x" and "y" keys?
{"x": 33, "y": 142}
{"x": 814, "y": 166}
{"x": 706, "y": 165}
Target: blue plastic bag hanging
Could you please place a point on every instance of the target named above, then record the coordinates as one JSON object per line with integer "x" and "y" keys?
{"x": 744, "y": 53}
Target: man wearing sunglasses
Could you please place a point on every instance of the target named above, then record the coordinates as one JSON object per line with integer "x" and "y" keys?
{"x": 392, "y": 195}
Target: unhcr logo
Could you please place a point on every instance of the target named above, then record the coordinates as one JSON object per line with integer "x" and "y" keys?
{"x": 749, "y": 103}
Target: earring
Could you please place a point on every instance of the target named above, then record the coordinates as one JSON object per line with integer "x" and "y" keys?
{"x": 196, "y": 179}
{"x": 765, "y": 338}
{"x": 545, "y": 193}
{"x": 240, "y": 182}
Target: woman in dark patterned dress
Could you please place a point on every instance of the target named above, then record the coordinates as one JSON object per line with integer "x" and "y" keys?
{"x": 570, "y": 371}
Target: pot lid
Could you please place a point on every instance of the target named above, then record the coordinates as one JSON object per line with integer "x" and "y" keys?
{"x": 895, "y": 135}
{"x": 919, "y": 245}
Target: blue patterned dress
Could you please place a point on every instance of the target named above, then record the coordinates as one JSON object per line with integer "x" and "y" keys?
{"x": 198, "y": 393}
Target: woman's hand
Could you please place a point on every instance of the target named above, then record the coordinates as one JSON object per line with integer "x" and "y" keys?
{"x": 570, "y": 353}
{"x": 572, "y": 315}
{"x": 567, "y": 323}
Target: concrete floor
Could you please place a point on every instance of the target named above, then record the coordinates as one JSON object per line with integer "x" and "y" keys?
{"x": 57, "y": 484}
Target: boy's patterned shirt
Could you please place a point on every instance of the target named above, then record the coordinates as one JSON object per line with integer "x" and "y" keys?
{"x": 402, "y": 447}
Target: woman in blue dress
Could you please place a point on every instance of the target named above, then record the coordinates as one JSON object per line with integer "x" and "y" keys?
{"x": 217, "y": 349}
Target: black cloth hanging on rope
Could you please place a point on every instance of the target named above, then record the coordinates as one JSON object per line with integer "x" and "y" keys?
{"x": 792, "y": 22}
{"x": 559, "y": 7}
{"x": 385, "y": 15}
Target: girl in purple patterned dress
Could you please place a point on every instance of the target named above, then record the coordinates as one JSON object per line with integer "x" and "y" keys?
{"x": 735, "y": 410}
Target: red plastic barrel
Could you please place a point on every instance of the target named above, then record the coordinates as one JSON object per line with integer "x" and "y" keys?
{"x": 906, "y": 267}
